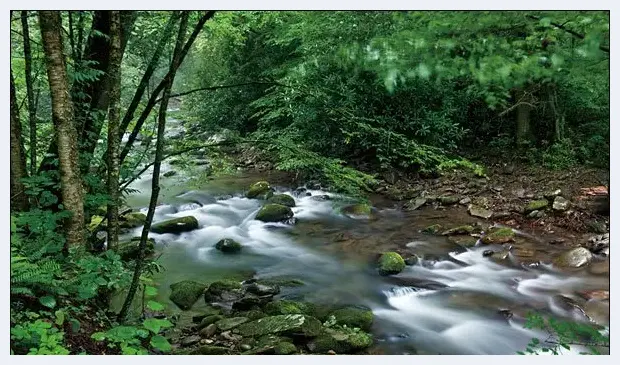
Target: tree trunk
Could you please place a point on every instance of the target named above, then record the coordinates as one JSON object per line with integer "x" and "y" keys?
{"x": 32, "y": 111}
{"x": 19, "y": 200}
{"x": 114, "y": 72}
{"x": 64, "y": 128}
{"x": 159, "y": 153}
{"x": 558, "y": 116}
{"x": 153, "y": 99}
{"x": 523, "y": 118}
{"x": 135, "y": 101}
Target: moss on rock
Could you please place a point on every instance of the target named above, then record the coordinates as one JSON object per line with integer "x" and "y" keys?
{"x": 132, "y": 220}
{"x": 129, "y": 250}
{"x": 357, "y": 210}
{"x": 287, "y": 307}
{"x": 285, "y": 348}
{"x": 230, "y": 323}
{"x": 466, "y": 229}
{"x": 391, "y": 263}
{"x": 499, "y": 236}
{"x": 297, "y": 324}
{"x": 433, "y": 229}
{"x": 210, "y": 350}
{"x": 536, "y": 205}
{"x": 259, "y": 190}
{"x": 176, "y": 225}
{"x": 274, "y": 213}
{"x": 341, "y": 341}
{"x": 185, "y": 293}
{"x": 282, "y": 199}
{"x": 354, "y": 317}
{"x": 228, "y": 245}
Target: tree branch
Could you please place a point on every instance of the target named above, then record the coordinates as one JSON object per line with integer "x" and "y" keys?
{"x": 572, "y": 32}
{"x": 217, "y": 87}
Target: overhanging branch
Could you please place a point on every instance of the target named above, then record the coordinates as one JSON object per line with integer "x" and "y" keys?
{"x": 570, "y": 31}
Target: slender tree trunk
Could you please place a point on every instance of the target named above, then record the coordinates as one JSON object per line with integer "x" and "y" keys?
{"x": 135, "y": 101}
{"x": 32, "y": 111}
{"x": 558, "y": 116}
{"x": 72, "y": 37}
{"x": 159, "y": 153}
{"x": 80, "y": 36}
{"x": 114, "y": 72}
{"x": 523, "y": 118}
{"x": 153, "y": 99}
{"x": 19, "y": 200}
{"x": 64, "y": 128}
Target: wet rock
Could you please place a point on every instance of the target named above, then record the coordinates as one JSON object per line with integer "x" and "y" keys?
{"x": 245, "y": 347}
{"x": 466, "y": 200}
{"x": 551, "y": 194}
{"x": 354, "y": 317}
{"x": 479, "y": 212}
{"x": 313, "y": 185}
{"x": 209, "y": 320}
{"x": 501, "y": 215}
{"x": 170, "y": 173}
{"x": 415, "y": 283}
{"x": 340, "y": 341}
{"x": 499, "y": 236}
{"x": 536, "y": 214}
{"x": 598, "y": 244}
{"x": 282, "y": 199}
{"x": 176, "y": 225}
{"x": 209, "y": 311}
{"x": 287, "y": 307}
{"x": 281, "y": 281}
{"x": 249, "y": 301}
{"x": 357, "y": 210}
{"x": 230, "y": 323}
{"x": 596, "y": 226}
{"x": 574, "y": 258}
{"x": 523, "y": 252}
{"x": 320, "y": 198}
{"x": 411, "y": 260}
{"x": 414, "y": 204}
{"x": 208, "y": 331}
{"x": 433, "y": 229}
{"x": 260, "y": 289}
{"x": 560, "y": 204}
{"x": 598, "y": 311}
{"x": 448, "y": 199}
{"x": 500, "y": 256}
{"x": 297, "y": 324}
{"x": 190, "y": 340}
{"x": 487, "y": 253}
{"x": 185, "y": 293}
{"x": 390, "y": 263}
{"x": 300, "y": 191}
{"x": 595, "y": 294}
{"x": 466, "y": 229}
{"x": 274, "y": 213}
{"x": 285, "y": 348}
{"x": 266, "y": 344}
{"x": 259, "y": 190}
{"x": 129, "y": 250}
{"x": 223, "y": 291}
{"x": 557, "y": 241}
{"x": 228, "y": 245}
{"x": 536, "y": 205}
{"x": 464, "y": 240}
{"x": 132, "y": 220}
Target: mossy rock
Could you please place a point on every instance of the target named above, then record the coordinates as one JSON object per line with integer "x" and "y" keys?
{"x": 266, "y": 344}
{"x": 228, "y": 245}
{"x": 574, "y": 258}
{"x": 285, "y": 348}
{"x": 129, "y": 250}
{"x": 210, "y": 350}
{"x": 536, "y": 205}
{"x": 463, "y": 240}
{"x": 170, "y": 173}
{"x": 287, "y": 307}
{"x": 282, "y": 199}
{"x": 132, "y": 220}
{"x": 341, "y": 341}
{"x": 216, "y": 289}
{"x": 466, "y": 229}
{"x": 449, "y": 199}
{"x": 391, "y": 263}
{"x": 185, "y": 293}
{"x": 274, "y": 213}
{"x": 357, "y": 210}
{"x": 433, "y": 229}
{"x": 499, "y": 236}
{"x": 230, "y": 323}
{"x": 354, "y": 317}
{"x": 259, "y": 190}
{"x": 295, "y": 324}
{"x": 176, "y": 225}
{"x": 209, "y": 320}
{"x": 252, "y": 314}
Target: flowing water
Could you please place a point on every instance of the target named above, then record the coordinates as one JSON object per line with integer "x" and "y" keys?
{"x": 452, "y": 301}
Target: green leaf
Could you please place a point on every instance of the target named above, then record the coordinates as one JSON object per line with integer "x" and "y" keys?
{"x": 545, "y": 22}
{"x": 60, "y": 317}
{"x": 155, "y": 325}
{"x": 98, "y": 336}
{"x": 150, "y": 291}
{"x": 160, "y": 343}
{"x": 154, "y": 306}
{"x": 48, "y": 301}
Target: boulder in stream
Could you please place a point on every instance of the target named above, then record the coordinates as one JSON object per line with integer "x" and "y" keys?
{"x": 228, "y": 245}
{"x": 295, "y": 324}
{"x": 176, "y": 225}
{"x": 282, "y": 199}
{"x": 390, "y": 263}
{"x": 274, "y": 213}
{"x": 259, "y": 190}
{"x": 128, "y": 250}
{"x": 499, "y": 236}
{"x": 132, "y": 220}
{"x": 414, "y": 204}
{"x": 340, "y": 341}
{"x": 185, "y": 293}
{"x": 466, "y": 229}
{"x": 577, "y": 257}
{"x": 354, "y": 317}
{"x": 357, "y": 210}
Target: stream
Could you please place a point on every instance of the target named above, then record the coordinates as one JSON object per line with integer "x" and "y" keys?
{"x": 453, "y": 300}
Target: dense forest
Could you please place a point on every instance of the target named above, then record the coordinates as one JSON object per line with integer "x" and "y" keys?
{"x": 345, "y": 138}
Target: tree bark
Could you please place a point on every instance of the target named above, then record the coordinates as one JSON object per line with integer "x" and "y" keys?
{"x": 32, "y": 111}
{"x": 159, "y": 152}
{"x": 19, "y": 200}
{"x": 135, "y": 101}
{"x": 114, "y": 72}
{"x": 153, "y": 99}
{"x": 523, "y": 118}
{"x": 64, "y": 128}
